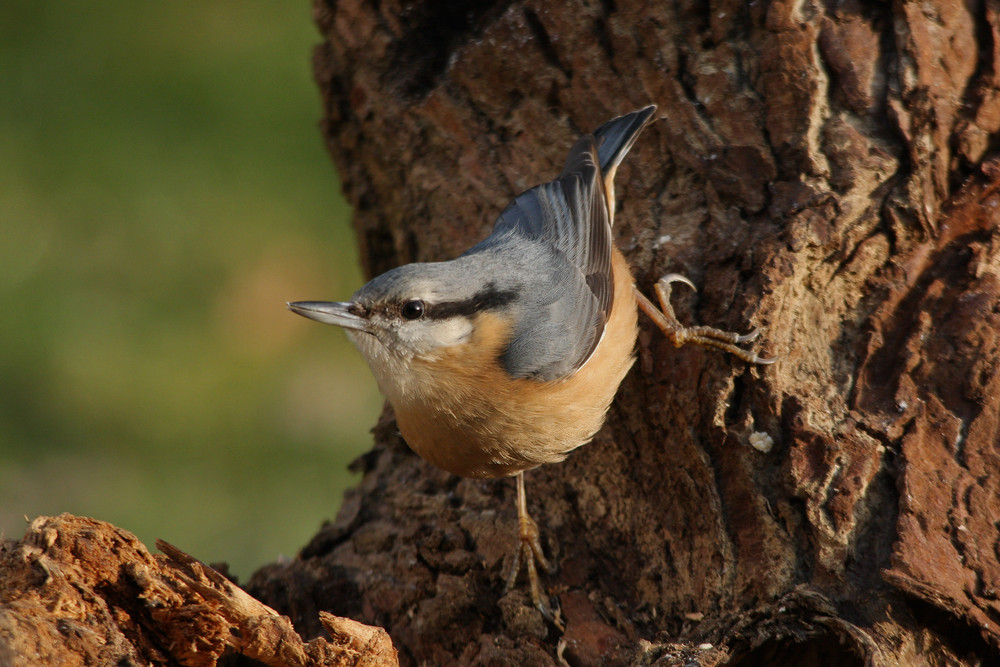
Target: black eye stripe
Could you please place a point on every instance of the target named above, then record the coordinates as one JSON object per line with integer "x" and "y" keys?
{"x": 489, "y": 298}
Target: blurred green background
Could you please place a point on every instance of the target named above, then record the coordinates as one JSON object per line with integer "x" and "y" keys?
{"x": 164, "y": 189}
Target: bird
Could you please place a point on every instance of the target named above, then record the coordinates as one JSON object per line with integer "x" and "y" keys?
{"x": 509, "y": 356}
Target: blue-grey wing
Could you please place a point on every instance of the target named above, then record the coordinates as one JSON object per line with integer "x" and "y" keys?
{"x": 569, "y": 218}
{"x": 570, "y": 284}
{"x": 571, "y": 214}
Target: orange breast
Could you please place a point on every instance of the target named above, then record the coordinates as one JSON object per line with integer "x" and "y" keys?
{"x": 469, "y": 418}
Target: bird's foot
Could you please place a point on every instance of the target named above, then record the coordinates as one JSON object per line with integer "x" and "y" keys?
{"x": 529, "y": 556}
{"x": 678, "y": 334}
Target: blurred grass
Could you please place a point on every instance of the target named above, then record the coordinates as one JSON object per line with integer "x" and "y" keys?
{"x": 164, "y": 189}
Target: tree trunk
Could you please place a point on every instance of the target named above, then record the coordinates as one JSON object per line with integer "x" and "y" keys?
{"x": 820, "y": 170}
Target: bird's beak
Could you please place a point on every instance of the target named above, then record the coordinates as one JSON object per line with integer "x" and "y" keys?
{"x": 327, "y": 312}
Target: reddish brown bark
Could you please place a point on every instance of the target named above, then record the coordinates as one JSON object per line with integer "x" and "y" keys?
{"x": 820, "y": 170}
{"x": 75, "y": 591}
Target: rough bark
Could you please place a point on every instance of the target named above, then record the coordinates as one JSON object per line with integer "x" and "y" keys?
{"x": 821, "y": 169}
{"x": 76, "y": 591}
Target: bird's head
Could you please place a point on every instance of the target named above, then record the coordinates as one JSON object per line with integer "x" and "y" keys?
{"x": 416, "y": 311}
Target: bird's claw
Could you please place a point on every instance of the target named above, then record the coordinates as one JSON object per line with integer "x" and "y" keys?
{"x": 676, "y": 278}
{"x": 530, "y": 555}
{"x": 678, "y": 334}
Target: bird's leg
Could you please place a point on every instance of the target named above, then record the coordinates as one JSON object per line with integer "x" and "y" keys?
{"x": 529, "y": 551}
{"x": 679, "y": 334}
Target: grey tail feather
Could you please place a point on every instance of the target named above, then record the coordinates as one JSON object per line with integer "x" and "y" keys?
{"x": 615, "y": 138}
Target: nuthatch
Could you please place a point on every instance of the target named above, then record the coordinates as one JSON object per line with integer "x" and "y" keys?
{"x": 509, "y": 356}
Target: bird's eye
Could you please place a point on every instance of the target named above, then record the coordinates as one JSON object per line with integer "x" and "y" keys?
{"x": 413, "y": 310}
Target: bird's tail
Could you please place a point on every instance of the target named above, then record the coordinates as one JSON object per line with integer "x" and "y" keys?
{"x": 615, "y": 138}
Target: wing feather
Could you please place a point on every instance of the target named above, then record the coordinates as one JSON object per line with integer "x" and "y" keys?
{"x": 570, "y": 216}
